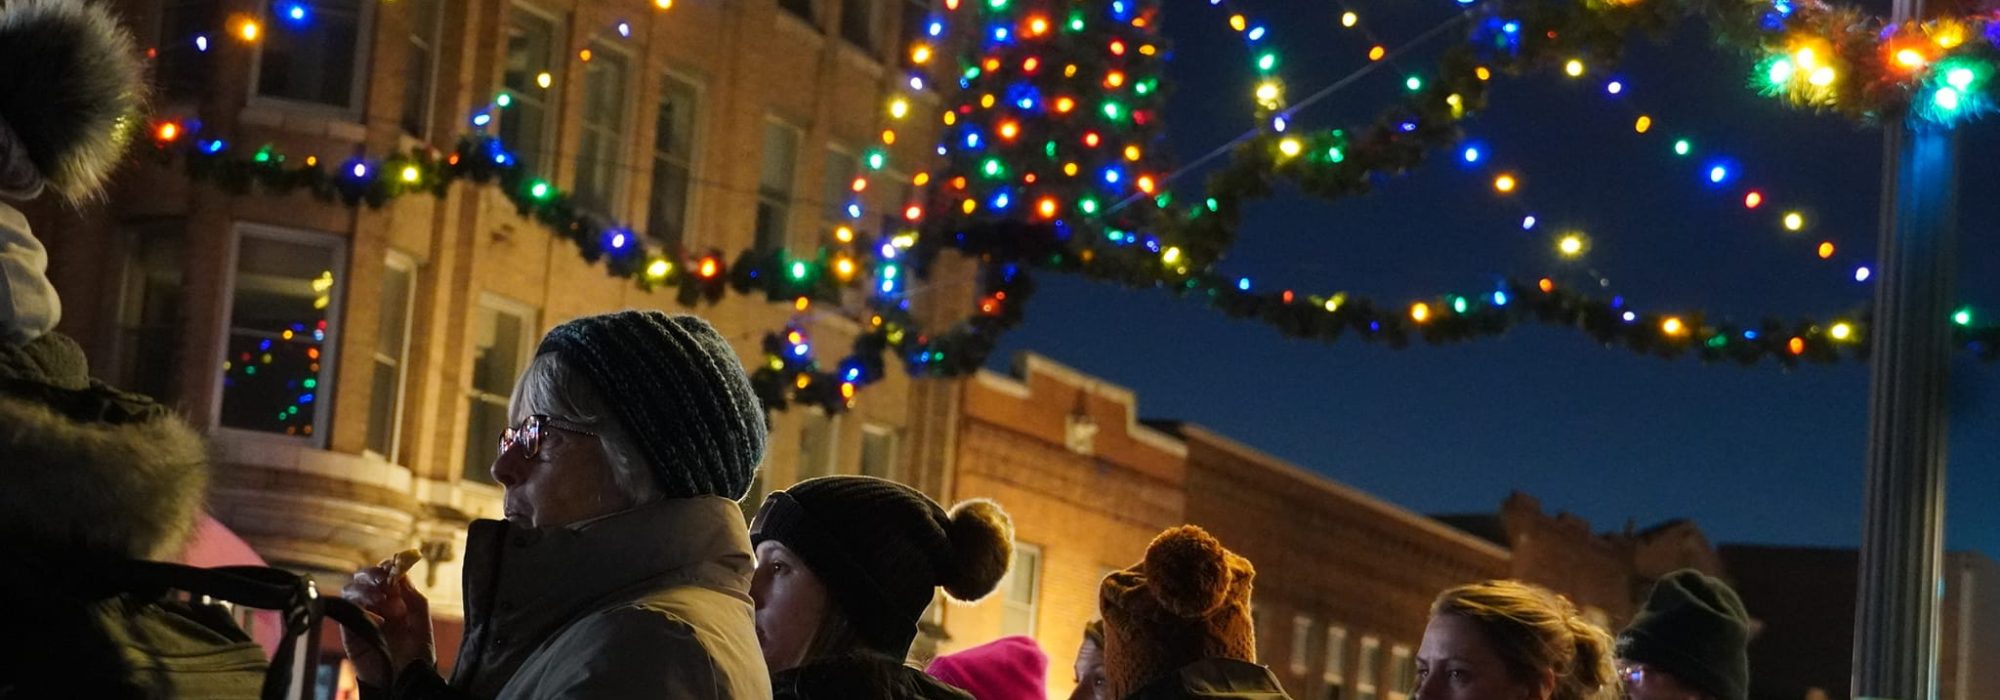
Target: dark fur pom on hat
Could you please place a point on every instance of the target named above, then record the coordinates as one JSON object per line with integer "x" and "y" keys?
{"x": 72, "y": 95}
{"x": 982, "y": 548}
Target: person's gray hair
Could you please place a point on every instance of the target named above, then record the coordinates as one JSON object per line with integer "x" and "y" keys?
{"x": 552, "y": 387}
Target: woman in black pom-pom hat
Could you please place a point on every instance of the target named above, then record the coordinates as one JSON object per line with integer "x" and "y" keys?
{"x": 846, "y": 566}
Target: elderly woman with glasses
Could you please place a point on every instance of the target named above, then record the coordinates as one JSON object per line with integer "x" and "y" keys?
{"x": 623, "y": 567}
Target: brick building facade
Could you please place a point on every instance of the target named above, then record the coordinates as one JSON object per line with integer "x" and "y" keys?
{"x": 1805, "y": 599}
{"x": 1344, "y": 580}
{"x": 1087, "y": 484}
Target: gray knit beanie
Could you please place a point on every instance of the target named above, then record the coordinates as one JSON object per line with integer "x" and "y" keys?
{"x": 679, "y": 390}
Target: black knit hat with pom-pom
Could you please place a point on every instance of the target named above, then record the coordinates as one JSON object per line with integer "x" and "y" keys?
{"x": 883, "y": 549}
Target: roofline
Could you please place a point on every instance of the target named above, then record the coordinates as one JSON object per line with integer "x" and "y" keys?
{"x": 1407, "y": 516}
{"x": 1028, "y": 363}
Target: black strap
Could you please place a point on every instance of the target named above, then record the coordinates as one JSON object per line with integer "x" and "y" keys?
{"x": 265, "y": 588}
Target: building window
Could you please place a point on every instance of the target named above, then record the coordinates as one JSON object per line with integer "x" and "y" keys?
{"x": 1302, "y": 633}
{"x": 1403, "y": 673}
{"x": 532, "y": 46}
{"x": 754, "y": 500}
{"x": 916, "y": 20}
{"x": 916, "y": 17}
{"x": 149, "y": 338}
{"x": 283, "y": 314}
{"x": 878, "y": 451}
{"x": 392, "y": 352}
{"x": 499, "y": 355}
{"x": 774, "y": 185}
{"x": 420, "y": 65}
{"x": 857, "y": 23}
{"x": 803, "y": 9}
{"x": 673, "y": 162}
{"x": 1259, "y": 636}
{"x": 606, "y": 81}
{"x": 311, "y": 52}
{"x": 1335, "y": 673}
{"x": 1022, "y": 587}
{"x": 187, "y": 29}
{"x": 841, "y": 167}
{"x": 1369, "y": 672}
{"x": 901, "y": 195}
{"x": 819, "y": 444}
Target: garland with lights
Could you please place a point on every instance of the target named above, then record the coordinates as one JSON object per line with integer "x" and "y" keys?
{"x": 1077, "y": 152}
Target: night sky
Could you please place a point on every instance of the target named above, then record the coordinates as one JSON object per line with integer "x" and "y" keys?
{"x": 1753, "y": 455}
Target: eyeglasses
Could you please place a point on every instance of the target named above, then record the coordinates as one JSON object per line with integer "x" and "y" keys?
{"x": 1633, "y": 675}
{"x": 528, "y": 435}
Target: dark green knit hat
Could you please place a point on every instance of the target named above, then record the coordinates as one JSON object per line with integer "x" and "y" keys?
{"x": 1693, "y": 626}
{"x": 678, "y": 389}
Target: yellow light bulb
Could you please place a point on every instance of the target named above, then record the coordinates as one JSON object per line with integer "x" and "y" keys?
{"x": 1132, "y": 153}
{"x": 1644, "y": 124}
{"x": 1268, "y": 92}
{"x": 1571, "y": 245}
{"x": 1238, "y": 23}
{"x": 1574, "y": 68}
{"x": 1290, "y": 147}
{"x": 1949, "y": 36}
{"x": 1483, "y": 73}
{"x": 899, "y": 108}
{"x": 1822, "y": 76}
{"x": 248, "y": 29}
{"x": 1806, "y": 58}
{"x": 1505, "y": 183}
{"x": 1349, "y": 19}
{"x": 545, "y": 80}
{"x": 1794, "y": 221}
{"x": 659, "y": 269}
{"x": 1171, "y": 256}
{"x": 1910, "y": 58}
{"x": 1420, "y": 312}
{"x": 410, "y": 173}
{"x": 921, "y": 54}
{"x": 1841, "y": 331}
{"x": 1673, "y": 326}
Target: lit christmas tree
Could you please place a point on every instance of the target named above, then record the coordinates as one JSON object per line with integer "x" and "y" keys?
{"x": 1051, "y": 145}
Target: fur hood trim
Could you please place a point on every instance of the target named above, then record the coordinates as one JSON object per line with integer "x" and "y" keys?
{"x": 98, "y": 489}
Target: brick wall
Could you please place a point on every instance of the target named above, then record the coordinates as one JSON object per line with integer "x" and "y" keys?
{"x": 1085, "y": 513}
{"x": 1327, "y": 557}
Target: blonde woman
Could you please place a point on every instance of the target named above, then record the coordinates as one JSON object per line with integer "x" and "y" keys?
{"x": 1508, "y": 640}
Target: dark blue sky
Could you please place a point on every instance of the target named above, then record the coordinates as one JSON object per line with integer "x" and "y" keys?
{"x": 1754, "y": 454}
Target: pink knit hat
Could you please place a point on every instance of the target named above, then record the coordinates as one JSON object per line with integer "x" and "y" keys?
{"x": 1008, "y": 668}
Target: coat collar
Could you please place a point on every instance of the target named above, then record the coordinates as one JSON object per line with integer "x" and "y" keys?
{"x": 523, "y": 585}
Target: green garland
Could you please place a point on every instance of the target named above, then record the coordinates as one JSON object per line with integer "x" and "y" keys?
{"x": 1164, "y": 246}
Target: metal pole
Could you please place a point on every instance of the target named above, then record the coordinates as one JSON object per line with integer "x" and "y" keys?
{"x": 1896, "y": 615}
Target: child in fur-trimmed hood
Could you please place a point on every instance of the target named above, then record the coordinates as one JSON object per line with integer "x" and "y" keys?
{"x": 95, "y": 476}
